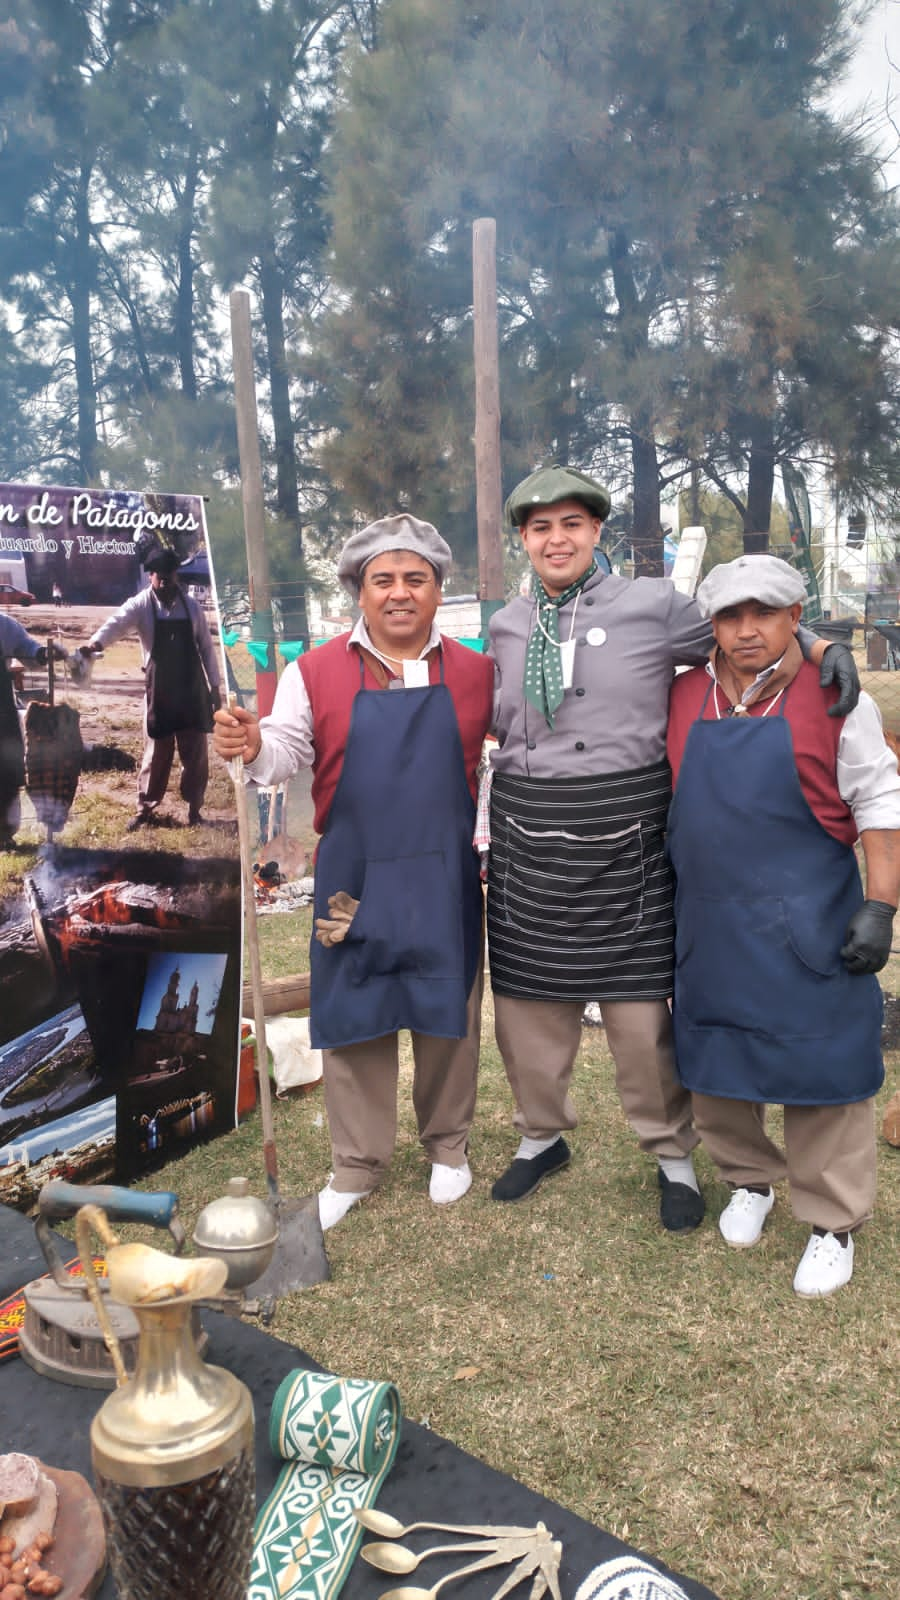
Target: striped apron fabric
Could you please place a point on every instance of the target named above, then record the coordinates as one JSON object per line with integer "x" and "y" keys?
{"x": 579, "y": 887}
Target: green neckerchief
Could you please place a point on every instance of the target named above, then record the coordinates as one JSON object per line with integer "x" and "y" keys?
{"x": 543, "y": 660}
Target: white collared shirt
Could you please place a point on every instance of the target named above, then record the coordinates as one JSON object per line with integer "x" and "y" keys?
{"x": 867, "y": 777}
{"x": 287, "y": 733}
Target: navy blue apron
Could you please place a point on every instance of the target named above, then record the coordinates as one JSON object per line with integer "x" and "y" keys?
{"x": 175, "y": 683}
{"x": 399, "y": 840}
{"x": 764, "y": 1008}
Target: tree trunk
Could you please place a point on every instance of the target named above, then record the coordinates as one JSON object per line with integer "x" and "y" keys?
{"x": 294, "y": 618}
{"x": 635, "y": 334}
{"x": 647, "y": 535}
{"x": 760, "y": 484}
{"x": 184, "y": 299}
{"x": 79, "y": 289}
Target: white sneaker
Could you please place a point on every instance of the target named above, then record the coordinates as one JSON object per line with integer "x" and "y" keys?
{"x": 825, "y": 1265}
{"x": 333, "y": 1205}
{"x": 741, "y": 1223}
{"x": 449, "y": 1183}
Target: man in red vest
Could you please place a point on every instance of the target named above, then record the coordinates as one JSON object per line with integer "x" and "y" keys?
{"x": 391, "y": 717}
{"x": 776, "y": 946}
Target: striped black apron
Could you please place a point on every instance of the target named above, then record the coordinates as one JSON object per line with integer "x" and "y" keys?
{"x": 579, "y": 889}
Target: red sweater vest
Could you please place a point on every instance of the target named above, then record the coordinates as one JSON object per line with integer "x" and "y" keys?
{"x": 331, "y": 675}
{"x": 814, "y": 734}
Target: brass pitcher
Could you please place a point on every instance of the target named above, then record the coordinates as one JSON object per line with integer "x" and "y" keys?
{"x": 172, "y": 1447}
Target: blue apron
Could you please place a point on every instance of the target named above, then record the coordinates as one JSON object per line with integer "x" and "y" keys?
{"x": 764, "y": 1008}
{"x": 399, "y": 840}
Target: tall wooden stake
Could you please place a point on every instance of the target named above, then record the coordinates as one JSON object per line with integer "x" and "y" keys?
{"x": 488, "y": 496}
{"x": 261, "y": 627}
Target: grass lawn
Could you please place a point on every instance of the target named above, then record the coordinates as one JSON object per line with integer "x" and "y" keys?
{"x": 669, "y": 1389}
{"x": 672, "y": 1390}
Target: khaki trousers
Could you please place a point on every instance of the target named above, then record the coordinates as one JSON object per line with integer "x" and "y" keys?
{"x": 360, "y": 1083}
{"x": 539, "y": 1040}
{"x": 829, "y": 1155}
{"x": 156, "y": 768}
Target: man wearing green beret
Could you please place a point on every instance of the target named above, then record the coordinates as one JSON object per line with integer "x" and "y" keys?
{"x": 579, "y": 888}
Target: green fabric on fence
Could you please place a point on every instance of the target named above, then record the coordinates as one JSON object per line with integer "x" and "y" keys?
{"x": 259, "y": 649}
{"x": 291, "y": 649}
{"x": 338, "y": 1438}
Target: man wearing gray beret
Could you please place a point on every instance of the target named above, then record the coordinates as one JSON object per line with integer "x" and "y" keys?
{"x": 776, "y": 947}
{"x": 391, "y": 717}
{"x": 579, "y": 888}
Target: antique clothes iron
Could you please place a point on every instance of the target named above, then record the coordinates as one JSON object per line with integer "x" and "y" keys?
{"x": 61, "y": 1336}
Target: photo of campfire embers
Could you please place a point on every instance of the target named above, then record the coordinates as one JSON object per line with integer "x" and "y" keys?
{"x": 119, "y": 986}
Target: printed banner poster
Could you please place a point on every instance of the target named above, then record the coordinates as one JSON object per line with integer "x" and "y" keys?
{"x": 120, "y": 882}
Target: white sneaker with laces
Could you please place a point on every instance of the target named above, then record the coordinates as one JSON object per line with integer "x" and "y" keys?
{"x": 449, "y": 1183}
{"x": 333, "y": 1206}
{"x": 825, "y": 1265}
{"x": 741, "y": 1223}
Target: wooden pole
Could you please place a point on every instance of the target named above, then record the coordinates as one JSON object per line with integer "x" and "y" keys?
{"x": 261, "y": 627}
{"x": 488, "y": 497}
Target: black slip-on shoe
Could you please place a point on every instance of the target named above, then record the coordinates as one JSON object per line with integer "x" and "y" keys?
{"x": 523, "y": 1175}
{"x": 681, "y": 1208}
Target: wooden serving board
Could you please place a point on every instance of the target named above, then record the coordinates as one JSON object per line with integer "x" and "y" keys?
{"x": 78, "y": 1552}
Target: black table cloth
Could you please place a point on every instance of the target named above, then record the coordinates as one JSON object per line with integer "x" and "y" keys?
{"x": 431, "y": 1480}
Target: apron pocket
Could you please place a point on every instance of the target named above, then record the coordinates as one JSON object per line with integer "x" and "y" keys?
{"x": 745, "y": 964}
{"x": 574, "y": 886}
{"x": 408, "y": 921}
{"x": 816, "y": 934}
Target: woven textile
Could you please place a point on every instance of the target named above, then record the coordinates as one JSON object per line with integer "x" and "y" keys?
{"x": 12, "y": 1310}
{"x": 338, "y": 1438}
{"x": 628, "y": 1578}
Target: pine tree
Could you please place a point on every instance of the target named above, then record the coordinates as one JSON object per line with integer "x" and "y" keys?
{"x": 639, "y": 160}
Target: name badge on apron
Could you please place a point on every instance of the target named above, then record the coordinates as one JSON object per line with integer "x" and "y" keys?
{"x": 415, "y": 674}
{"x": 567, "y": 662}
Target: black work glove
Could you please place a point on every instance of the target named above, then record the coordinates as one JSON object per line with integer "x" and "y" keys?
{"x": 867, "y": 942}
{"x": 839, "y": 667}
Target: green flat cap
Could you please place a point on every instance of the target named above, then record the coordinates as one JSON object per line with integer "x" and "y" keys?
{"x": 549, "y": 485}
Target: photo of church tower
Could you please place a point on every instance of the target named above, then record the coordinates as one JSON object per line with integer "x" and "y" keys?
{"x": 176, "y": 1091}
{"x": 176, "y": 1022}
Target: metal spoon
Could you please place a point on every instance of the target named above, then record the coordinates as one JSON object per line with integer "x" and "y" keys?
{"x": 388, "y": 1527}
{"x": 411, "y": 1591}
{"x": 399, "y": 1558}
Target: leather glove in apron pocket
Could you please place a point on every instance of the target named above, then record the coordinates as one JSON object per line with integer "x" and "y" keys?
{"x": 407, "y": 920}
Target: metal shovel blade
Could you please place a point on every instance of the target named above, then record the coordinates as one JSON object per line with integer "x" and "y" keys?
{"x": 299, "y": 1260}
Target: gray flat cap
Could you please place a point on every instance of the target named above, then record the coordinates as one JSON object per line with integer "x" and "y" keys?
{"x": 392, "y": 533}
{"x": 764, "y": 578}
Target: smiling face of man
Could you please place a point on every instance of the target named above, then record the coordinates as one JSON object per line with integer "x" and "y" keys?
{"x": 399, "y": 595}
{"x": 559, "y": 541}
